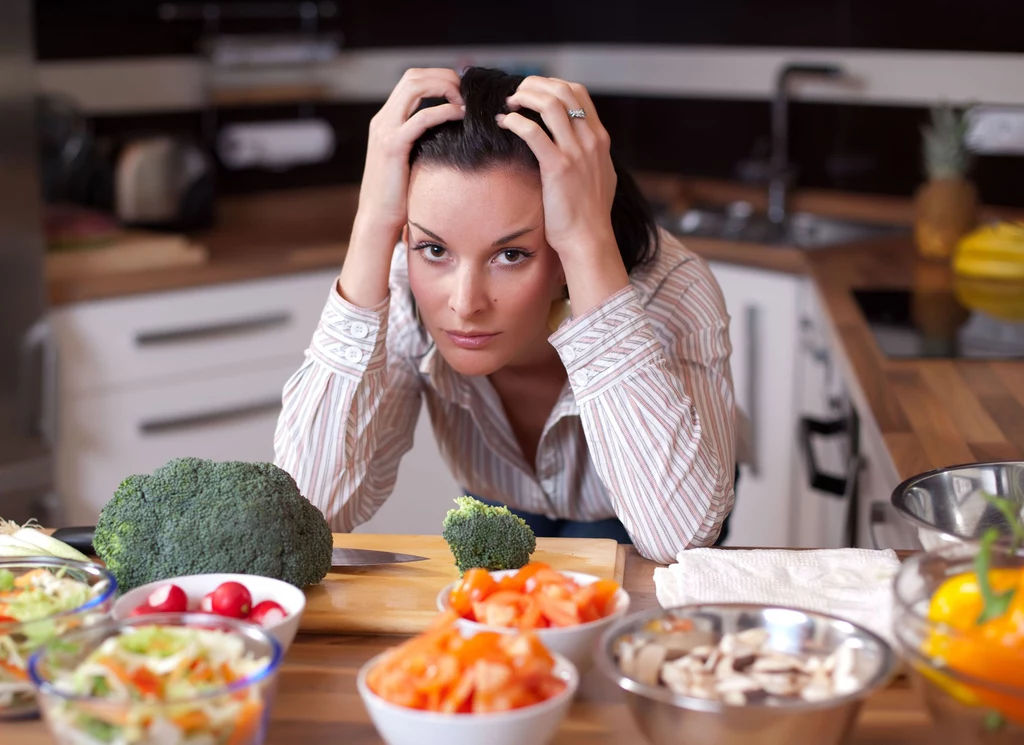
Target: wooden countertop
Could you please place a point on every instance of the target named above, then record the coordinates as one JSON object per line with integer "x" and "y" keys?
{"x": 930, "y": 413}
{"x": 317, "y": 699}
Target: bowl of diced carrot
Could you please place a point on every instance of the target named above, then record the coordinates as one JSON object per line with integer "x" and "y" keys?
{"x": 567, "y": 610}
{"x": 447, "y": 688}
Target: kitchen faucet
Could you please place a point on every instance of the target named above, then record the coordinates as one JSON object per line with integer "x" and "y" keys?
{"x": 780, "y": 171}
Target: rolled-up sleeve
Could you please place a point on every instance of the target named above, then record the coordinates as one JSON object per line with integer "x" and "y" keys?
{"x": 656, "y": 401}
{"x": 348, "y": 413}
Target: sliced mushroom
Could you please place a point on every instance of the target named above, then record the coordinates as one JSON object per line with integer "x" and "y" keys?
{"x": 648, "y": 664}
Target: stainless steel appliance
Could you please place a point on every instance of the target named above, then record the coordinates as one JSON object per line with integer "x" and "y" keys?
{"x": 27, "y": 356}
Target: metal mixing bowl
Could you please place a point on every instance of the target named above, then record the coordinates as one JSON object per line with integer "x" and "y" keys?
{"x": 947, "y": 505}
{"x": 667, "y": 718}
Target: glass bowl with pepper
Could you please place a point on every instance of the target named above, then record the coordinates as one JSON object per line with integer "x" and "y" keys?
{"x": 959, "y": 625}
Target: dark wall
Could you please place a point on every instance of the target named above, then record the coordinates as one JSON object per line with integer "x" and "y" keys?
{"x": 857, "y": 148}
{"x": 104, "y": 28}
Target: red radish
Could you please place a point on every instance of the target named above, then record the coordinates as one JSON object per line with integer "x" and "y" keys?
{"x": 231, "y": 599}
{"x": 267, "y": 613}
{"x": 168, "y": 599}
{"x": 206, "y": 606}
{"x": 142, "y": 610}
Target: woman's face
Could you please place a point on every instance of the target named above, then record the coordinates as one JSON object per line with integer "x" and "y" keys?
{"x": 481, "y": 271}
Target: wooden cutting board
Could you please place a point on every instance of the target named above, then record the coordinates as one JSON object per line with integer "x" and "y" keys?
{"x": 401, "y": 598}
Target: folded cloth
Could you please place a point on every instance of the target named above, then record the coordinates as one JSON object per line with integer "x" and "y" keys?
{"x": 851, "y": 583}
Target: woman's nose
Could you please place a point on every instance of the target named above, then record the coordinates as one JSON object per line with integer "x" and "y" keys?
{"x": 469, "y": 294}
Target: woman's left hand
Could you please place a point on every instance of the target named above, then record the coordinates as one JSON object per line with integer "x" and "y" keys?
{"x": 577, "y": 175}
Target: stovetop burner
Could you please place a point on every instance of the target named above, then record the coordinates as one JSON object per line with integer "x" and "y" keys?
{"x": 921, "y": 324}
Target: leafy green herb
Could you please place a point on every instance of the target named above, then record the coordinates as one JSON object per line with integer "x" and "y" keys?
{"x": 995, "y": 605}
{"x": 994, "y": 722}
{"x": 100, "y": 686}
{"x": 98, "y": 729}
{"x": 6, "y": 580}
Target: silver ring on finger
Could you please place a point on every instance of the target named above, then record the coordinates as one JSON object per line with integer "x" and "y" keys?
{"x": 577, "y": 114}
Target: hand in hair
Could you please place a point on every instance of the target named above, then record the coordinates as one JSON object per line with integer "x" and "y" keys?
{"x": 578, "y": 183}
{"x": 382, "y": 195}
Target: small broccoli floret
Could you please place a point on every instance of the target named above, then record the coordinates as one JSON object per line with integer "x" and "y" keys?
{"x": 195, "y": 516}
{"x": 480, "y": 535}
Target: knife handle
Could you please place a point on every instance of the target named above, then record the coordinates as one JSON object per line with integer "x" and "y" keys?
{"x": 79, "y": 538}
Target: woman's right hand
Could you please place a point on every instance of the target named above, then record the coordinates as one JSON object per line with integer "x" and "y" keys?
{"x": 393, "y": 130}
{"x": 382, "y": 196}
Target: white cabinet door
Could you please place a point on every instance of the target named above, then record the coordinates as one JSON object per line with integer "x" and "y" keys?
{"x": 171, "y": 335}
{"x": 762, "y": 306}
{"x": 105, "y": 438}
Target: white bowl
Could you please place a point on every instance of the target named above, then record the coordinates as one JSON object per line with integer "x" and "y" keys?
{"x": 577, "y": 643}
{"x": 196, "y": 586}
{"x": 534, "y": 724}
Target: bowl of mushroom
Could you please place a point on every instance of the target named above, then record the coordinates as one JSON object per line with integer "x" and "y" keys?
{"x": 735, "y": 673}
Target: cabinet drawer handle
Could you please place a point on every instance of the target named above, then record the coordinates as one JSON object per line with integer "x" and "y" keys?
{"x": 219, "y": 416}
{"x": 818, "y": 479}
{"x": 753, "y": 323}
{"x": 209, "y": 331}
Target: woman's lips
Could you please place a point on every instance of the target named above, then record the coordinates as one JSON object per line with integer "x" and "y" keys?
{"x": 465, "y": 340}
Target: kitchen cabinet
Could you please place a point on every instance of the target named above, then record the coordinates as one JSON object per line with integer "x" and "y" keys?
{"x": 762, "y": 306}
{"x": 199, "y": 372}
{"x": 843, "y": 475}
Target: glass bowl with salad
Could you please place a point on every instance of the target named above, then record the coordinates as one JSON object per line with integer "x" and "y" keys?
{"x": 42, "y": 598}
{"x": 181, "y": 678}
{"x": 959, "y": 625}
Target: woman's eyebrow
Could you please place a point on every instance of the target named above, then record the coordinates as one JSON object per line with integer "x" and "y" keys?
{"x": 512, "y": 236}
{"x": 435, "y": 236}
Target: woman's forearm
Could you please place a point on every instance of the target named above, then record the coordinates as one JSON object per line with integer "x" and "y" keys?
{"x": 593, "y": 272}
{"x": 364, "y": 275}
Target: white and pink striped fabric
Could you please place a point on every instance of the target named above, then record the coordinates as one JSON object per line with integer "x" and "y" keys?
{"x": 643, "y": 430}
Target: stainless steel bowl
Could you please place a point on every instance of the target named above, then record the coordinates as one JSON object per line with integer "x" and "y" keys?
{"x": 667, "y": 718}
{"x": 947, "y": 505}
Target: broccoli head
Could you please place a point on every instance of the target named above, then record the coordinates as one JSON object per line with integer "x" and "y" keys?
{"x": 480, "y": 535}
{"x": 195, "y": 516}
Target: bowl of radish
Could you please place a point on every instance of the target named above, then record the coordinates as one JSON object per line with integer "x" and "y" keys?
{"x": 275, "y": 605}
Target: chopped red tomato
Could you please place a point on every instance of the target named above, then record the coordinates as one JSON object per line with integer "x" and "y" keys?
{"x": 535, "y": 597}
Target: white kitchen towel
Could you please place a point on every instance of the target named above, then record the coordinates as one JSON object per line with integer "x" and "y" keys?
{"x": 851, "y": 583}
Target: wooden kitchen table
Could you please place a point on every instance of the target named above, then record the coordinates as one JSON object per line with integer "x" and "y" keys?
{"x": 317, "y": 701}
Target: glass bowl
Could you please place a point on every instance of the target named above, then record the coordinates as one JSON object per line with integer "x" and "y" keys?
{"x": 236, "y": 713}
{"x": 971, "y": 706}
{"x": 19, "y": 639}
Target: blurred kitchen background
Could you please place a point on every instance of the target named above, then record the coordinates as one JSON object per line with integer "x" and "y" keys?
{"x": 177, "y": 182}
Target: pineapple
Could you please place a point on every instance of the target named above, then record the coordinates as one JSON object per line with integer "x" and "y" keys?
{"x": 947, "y": 205}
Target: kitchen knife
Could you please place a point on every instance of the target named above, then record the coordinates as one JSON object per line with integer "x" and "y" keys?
{"x": 362, "y": 557}
{"x": 80, "y": 538}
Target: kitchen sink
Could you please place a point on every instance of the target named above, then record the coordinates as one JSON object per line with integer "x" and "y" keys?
{"x": 738, "y": 222}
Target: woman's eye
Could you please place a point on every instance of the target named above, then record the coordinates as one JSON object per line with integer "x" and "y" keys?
{"x": 433, "y": 252}
{"x": 511, "y": 256}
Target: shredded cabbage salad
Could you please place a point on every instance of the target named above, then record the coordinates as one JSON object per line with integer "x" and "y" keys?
{"x": 28, "y": 603}
{"x": 147, "y": 685}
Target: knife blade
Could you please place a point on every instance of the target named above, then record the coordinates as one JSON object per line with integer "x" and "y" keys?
{"x": 363, "y": 557}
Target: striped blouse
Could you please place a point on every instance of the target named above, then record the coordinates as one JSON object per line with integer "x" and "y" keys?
{"x": 643, "y": 429}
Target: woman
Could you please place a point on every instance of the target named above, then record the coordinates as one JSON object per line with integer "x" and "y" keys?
{"x": 573, "y": 368}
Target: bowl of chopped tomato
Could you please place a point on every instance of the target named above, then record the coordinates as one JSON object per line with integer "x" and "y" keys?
{"x": 567, "y": 610}
{"x": 446, "y": 688}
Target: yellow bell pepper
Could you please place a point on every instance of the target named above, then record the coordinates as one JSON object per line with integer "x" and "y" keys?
{"x": 992, "y": 650}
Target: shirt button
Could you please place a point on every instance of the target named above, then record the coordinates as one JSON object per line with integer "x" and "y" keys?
{"x": 359, "y": 330}
{"x": 569, "y": 353}
{"x": 581, "y": 378}
{"x": 353, "y": 355}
